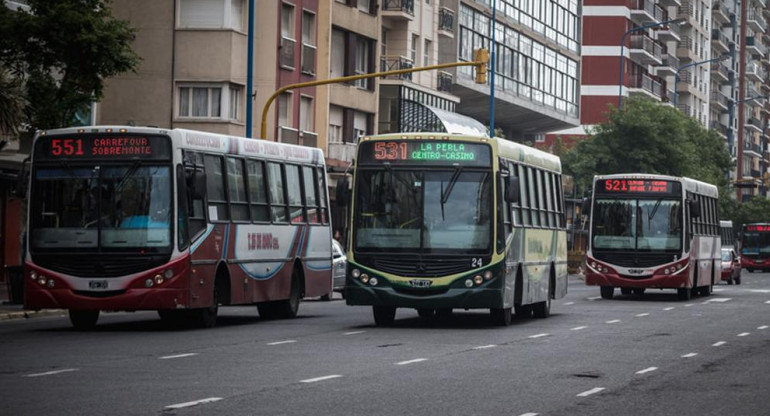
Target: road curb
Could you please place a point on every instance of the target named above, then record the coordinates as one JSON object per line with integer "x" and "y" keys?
{"x": 25, "y": 314}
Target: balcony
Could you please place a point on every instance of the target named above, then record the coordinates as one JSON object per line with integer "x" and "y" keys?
{"x": 644, "y": 84}
{"x": 754, "y": 47}
{"x": 685, "y": 81}
{"x": 392, "y": 63}
{"x": 719, "y": 100}
{"x": 308, "y": 59}
{"x": 444, "y": 81}
{"x": 687, "y": 12}
{"x": 720, "y": 72}
{"x": 667, "y": 3}
{"x": 753, "y": 124}
{"x": 754, "y": 72}
{"x": 668, "y": 66}
{"x": 685, "y": 109}
{"x": 756, "y": 22}
{"x": 286, "y": 54}
{"x": 719, "y": 41}
{"x": 402, "y": 10}
{"x": 288, "y": 135}
{"x": 720, "y": 14}
{"x": 645, "y": 12}
{"x": 668, "y": 97}
{"x": 669, "y": 33}
{"x": 342, "y": 151}
{"x": 752, "y": 148}
{"x": 644, "y": 50}
{"x": 719, "y": 128}
{"x": 685, "y": 50}
{"x": 446, "y": 22}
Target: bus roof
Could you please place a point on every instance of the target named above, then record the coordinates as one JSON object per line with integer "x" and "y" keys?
{"x": 210, "y": 142}
{"x": 690, "y": 185}
{"x": 505, "y": 148}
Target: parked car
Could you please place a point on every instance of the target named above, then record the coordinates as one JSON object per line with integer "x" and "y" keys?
{"x": 731, "y": 266}
{"x": 339, "y": 265}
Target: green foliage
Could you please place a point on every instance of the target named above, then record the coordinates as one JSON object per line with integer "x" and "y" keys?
{"x": 11, "y": 103}
{"x": 63, "y": 50}
{"x": 648, "y": 137}
{"x": 755, "y": 210}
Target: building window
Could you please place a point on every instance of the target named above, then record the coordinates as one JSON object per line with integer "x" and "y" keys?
{"x": 413, "y": 48}
{"x": 384, "y": 42}
{"x": 210, "y": 101}
{"x": 226, "y": 14}
{"x": 287, "y": 20}
{"x": 426, "y": 53}
{"x": 362, "y": 61}
{"x": 285, "y": 112}
{"x": 306, "y": 113}
{"x": 235, "y": 103}
{"x": 365, "y": 5}
{"x": 308, "y": 43}
{"x": 335, "y": 124}
{"x": 338, "y": 54}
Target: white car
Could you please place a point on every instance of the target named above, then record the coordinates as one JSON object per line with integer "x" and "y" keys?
{"x": 339, "y": 264}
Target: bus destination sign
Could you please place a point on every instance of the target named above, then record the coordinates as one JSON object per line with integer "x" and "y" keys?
{"x": 635, "y": 186}
{"x": 761, "y": 228}
{"x": 103, "y": 146}
{"x": 430, "y": 152}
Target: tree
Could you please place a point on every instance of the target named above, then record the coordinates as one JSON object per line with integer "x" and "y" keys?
{"x": 648, "y": 137}
{"x": 61, "y": 51}
{"x": 11, "y": 104}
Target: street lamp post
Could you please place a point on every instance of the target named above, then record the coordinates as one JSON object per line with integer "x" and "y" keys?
{"x": 623, "y": 45}
{"x": 676, "y": 76}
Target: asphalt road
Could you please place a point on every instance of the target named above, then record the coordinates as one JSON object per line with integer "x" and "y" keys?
{"x": 648, "y": 355}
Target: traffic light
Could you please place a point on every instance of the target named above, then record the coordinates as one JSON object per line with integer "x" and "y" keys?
{"x": 481, "y": 55}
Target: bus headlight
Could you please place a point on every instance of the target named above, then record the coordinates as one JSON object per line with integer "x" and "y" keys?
{"x": 41, "y": 280}
{"x": 469, "y": 283}
{"x": 148, "y": 283}
{"x": 355, "y": 273}
{"x": 33, "y": 275}
{"x": 365, "y": 278}
{"x": 158, "y": 279}
{"x": 478, "y": 279}
{"x": 50, "y": 283}
{"x": 667, "y": 271}
{"x": 487, "y": 275}
{"x": 373, "y": 281}
{"x": 168, "y": 274}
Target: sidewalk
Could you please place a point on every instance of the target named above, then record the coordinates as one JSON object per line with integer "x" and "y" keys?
{"x": 10, "y": 311}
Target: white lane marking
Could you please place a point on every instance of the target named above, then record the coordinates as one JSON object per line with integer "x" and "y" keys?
{"x": 743, "y": 334}
{"x": 565, "y": 304}
{"x": 50, "y": 373}
{"x": 643, "y": 314}
{"x": 614, "y": 321}
{"x": 760, "y": 290}
{"x": 170, "y": 357}
{"x": 590, "y": 392}
{"x": 669, "y": 308}
{"x": 195, "y": 403}
{"x": 578, "y": 328}
{"x": 762, "y": 327}
{"x": 718, "y": 300}
{"x": 688, "y": 305}
{"x": 483, "y": 347}
{"x": 538, "y": 335}
{"x": 354, "y": 333}
{"x": 767, "y": 301}
{"x": 718, "y": 344}
{"x": 717, "y": 289}
{"x": 690, "y": 355}
{"x": 647, "y": 370}
{"x": 529, "y": 414}
{"x": 290, "y": 341}
{"x": 416, "y": 360}
{"x": 313, "y": 380}
{"x": 595, "y": 298}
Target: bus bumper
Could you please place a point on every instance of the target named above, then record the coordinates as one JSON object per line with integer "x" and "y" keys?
{"x": 662, "y": 281}
{"x": 474, "y": 298}
{"x": 130, "y": 299}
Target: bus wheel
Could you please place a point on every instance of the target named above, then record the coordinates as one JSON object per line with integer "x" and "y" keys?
{"x": 207, "y": 317}
{"x": 638, "y": 291}
{"x": 607, "y": 292}
{"x": 705, "y": 290}
{"x": 625, "y": 291}
{"x": 287, "y": 309}
{"x": 542, "y": 309}
{"x": 444, "y": 313}
{"x": 384, "y": 315}
{"x": 684, "y": 293}
{"x": 501, "y": 316}
{"x": 84, "y": 320}
{"x": 426, "y": 312}
{"x": 522, "y": 311}
{"x": 172, "y": 316}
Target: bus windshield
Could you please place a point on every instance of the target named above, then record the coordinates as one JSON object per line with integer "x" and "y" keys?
{"x": 111, "y": 208}
{"x": 637, "y": 224}
{"x": 755, "y": 242}
{"x": 425, "y": 211}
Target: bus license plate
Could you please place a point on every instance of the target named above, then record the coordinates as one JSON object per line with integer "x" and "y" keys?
{"x": 420, "y": 283}
{"x": 98, "y": 284}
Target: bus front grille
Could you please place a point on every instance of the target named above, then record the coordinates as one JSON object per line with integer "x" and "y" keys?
{"x": 636, "y": 259}
{"x": 99, "y": 265}
{"x": 414, "y": 266}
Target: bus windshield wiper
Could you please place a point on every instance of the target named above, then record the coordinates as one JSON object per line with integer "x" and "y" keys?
{"x": 654, "y": 209}
{"x": 445, "y": 193}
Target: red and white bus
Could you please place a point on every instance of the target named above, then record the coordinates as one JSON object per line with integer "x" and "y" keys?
{"x": 178, "y": 221}
{"x": 653, "y": 231}
{"x": 755, "y": 247}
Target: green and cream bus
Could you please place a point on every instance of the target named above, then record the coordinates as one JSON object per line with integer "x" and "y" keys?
{"x": 442, "y": 222}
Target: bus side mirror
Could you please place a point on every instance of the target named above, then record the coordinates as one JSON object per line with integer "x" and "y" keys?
{"x": 343, "y": 193}
{"x": 585, "y": 208}
{"x": 512, "y": 190}
{"x": 694, "y": 209}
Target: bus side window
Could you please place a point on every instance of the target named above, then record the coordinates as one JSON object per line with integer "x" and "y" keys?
{"x": 181, "y": 200}
{"x": 215, "y": 189}
{"x": 294, "y": 191}
{"x": 533, "y": 189}
{"x": 236, "y": 187}
{"x": 257, "y": 191}
{"x": 561, "y": 221}
{"x": 195, "y": 197}
{"x": 278, "y": 209}
{"x": 505, "y": 205}
{"x": 516, "y": 206}
{"x": 311, "y": 200}
{"x": 526, "y": 212}
{"x": 322, "y": 195}
{"x": 549, "y": 199}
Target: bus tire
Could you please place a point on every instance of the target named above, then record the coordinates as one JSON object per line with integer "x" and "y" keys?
{"x": 426, "y": 313}
{"x": 444, "y": 313}
{"x": 638, "y": 291}
{"x": 207, "y": 317}
{"x": 705, "y": 290}
{"x": 384, "y": 315}
{"x": 501, "y": 316}
{"x": 684, "y": 293}
{"x": 83, "y": 320}
{"x": 522, "y": 311}
{"x": 607, "y": 292}
{"x": 172, "y": 316}
{"x": 288, "y": 308}
{"x": 542, "y": 310}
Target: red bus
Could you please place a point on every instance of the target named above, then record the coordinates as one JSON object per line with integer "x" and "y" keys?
{"x": 755, "y": 247}
{"x": 178, "y": 221}
{"x": 653, "y": 231}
